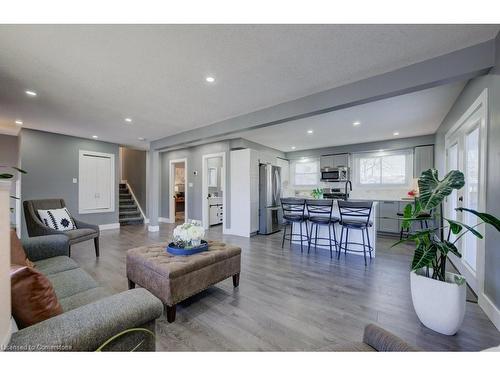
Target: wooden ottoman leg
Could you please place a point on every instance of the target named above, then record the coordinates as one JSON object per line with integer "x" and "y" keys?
{"x": 236, "y": 280}
{"x": 131, "y": 284}
{"x": 171, "y": 313}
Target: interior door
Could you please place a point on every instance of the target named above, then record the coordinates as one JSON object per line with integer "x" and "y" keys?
{"x": 464, "y": 153}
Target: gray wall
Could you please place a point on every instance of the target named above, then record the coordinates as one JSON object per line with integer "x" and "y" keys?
{"x": 9, "y": 156}
{"x": 463, "y": 102}
{"x": 392, "y": 144}
{"x": 51, "y": 161}
{"x": 134, "y": 171}
{"x": 194, "y": 163}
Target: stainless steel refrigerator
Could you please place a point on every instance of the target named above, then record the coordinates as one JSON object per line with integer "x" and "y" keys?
{"x": 269, "y": 198}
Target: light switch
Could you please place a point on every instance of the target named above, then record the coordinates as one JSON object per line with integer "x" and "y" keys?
{"x": 75, "y": 181}
{"x": 190, "y": 184}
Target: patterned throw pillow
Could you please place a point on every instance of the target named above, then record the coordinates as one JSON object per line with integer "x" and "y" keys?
{"x": 58, "y": 219}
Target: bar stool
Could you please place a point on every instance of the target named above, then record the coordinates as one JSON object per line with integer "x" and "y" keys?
{"x": 355, "y": 215}
{"x": 320, "y": 214}
{"x": 294, "y": 212}
{"x": 423, "y": 217}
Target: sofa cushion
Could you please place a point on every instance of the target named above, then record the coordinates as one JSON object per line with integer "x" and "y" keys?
{"x": 33, "y": 297}
{"x": 68, "y": 283}
{"x": 54, "y": 265}
{"x": 83, "y": 298}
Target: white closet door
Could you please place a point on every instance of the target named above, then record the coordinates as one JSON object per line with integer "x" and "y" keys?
{"x": 96, "y": 182}
{"x": 103, "y": 182}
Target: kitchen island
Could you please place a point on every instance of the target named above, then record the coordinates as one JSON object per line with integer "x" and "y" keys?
{"x": 354, "y": 235}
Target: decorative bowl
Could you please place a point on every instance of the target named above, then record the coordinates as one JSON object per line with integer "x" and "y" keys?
{"x": 172, "y": 249}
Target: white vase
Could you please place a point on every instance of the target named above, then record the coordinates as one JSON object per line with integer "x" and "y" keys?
{"x": 440, "y": 305}
{"x": 195, "y": 243}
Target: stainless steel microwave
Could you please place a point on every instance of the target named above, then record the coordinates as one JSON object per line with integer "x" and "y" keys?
{"x": 338, "y": 174}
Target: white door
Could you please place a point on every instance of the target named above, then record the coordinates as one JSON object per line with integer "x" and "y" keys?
{"x": 465, "y": 151}
{"x": 96, "y": 182}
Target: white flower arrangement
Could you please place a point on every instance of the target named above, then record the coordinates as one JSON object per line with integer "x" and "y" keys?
{"x": 188, "y": 234}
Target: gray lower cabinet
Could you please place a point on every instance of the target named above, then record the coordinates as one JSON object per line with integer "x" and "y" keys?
{"x": 388, "y": 217}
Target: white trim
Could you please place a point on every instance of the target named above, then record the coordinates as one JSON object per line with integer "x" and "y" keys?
{"x": 164, "y": 220}
{"x": 491, "y": 311}
{"x": 18, "y": 207}
{"x": 478, "y": 109}
{"x": 153, "y": 228}
{"x": 113, "y": 181}
{"x": 135, "y": 199}
{"x": 109, "y": 226}
{"x": 204, "y": 190}
{"x": 171, "y": 183}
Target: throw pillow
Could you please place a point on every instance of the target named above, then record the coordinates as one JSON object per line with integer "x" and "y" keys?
{"x": 17, "y": 253}
{"x": 58, "y": 219}
{"x": 33, "y": 297}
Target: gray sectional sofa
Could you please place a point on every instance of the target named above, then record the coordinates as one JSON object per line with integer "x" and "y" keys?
{"x": 91, "y": 315}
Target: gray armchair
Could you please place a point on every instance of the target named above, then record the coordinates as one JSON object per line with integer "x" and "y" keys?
{"x": 36, "y": 227}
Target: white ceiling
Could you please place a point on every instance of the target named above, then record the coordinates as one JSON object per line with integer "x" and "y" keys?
{"x": 410, "y": 115}
{"x": 90, "y": 77}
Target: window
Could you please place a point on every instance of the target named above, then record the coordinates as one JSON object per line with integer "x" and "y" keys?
{"x": 383, "y": 169}
{"x": 306, "y": 172}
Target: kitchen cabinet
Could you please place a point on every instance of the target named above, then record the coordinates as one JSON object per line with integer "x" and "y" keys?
{"x": 333, "y": 161}
{"x": 388, "y": 217}
{"x": 216, "y": 215}
{"x": 423, "y": 159}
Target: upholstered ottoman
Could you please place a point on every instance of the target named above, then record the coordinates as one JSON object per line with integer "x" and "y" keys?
{"x": 174, "y": 278}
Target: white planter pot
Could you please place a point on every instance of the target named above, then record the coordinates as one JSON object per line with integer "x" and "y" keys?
{"x": 440, "y": 305}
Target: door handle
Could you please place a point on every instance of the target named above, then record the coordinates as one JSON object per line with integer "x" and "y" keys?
{"x": 461, "y": 199}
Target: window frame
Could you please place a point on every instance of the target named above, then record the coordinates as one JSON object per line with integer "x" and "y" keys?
{"x": 316, "y": 173}
{"x": 407, "y": 153}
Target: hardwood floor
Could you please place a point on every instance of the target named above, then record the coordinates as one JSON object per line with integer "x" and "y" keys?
{"x": 287, "y": 300}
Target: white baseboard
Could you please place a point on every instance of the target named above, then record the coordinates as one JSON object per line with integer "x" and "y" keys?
{"x": 146, "y": 220}
{"x": 164, "y": 220}
{"x": 109, "y": 226}
{"x": 153, "y": 228}
{"x": 491, "y": 311}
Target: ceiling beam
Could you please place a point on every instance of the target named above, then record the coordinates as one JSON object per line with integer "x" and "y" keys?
{"x": 460, "y": 65}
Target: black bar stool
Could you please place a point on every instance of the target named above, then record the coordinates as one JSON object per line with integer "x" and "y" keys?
{"x": 320, "y": 212}
{"x": 294, "y": 212}
{"x": 355, "y": 215}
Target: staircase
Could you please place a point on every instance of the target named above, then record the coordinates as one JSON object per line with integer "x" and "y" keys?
{"x": 129, "y": 210}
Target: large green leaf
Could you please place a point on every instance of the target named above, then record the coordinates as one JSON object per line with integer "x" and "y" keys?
{"x": 424, "y": 255}
{"x": 457, "y": 226}
{"x": 487, "y": 218}
{"x": 407, "y": 214}
{"x": 433, "y": 191}
{"x": 451, "y": 247}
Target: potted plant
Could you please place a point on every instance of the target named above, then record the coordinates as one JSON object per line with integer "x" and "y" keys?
{"x": 317, "y": 193}
{"x": 439, "y": 296}
{"x": 188, "y": 239}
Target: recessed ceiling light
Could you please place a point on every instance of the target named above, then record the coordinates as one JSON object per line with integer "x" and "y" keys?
{"x": 356, "y": 123}
{"x": 141, "y": 139}
{"x": 310, "y": 131}
{"x": 128, "y": 119}
{"x": 395, "y": 133}
{"x": 95, "y": 136}
{"x": 19, "y": 122}
{"x": 293, "y": 147}
{"x": 210, "y": 79}
{"x": 30, "y": 93}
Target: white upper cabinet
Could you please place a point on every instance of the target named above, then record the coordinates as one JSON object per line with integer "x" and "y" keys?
{"x": 334, "y": 161}
{"x": 96, "y": 186}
